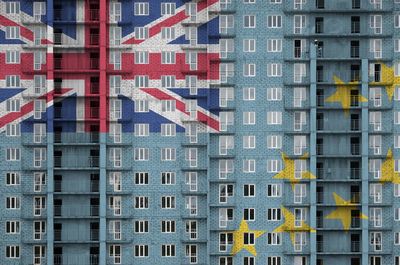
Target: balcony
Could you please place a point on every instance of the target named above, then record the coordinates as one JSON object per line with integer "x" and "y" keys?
{"x": 355, "y": 197}
{"x": 320, "y": 222}
{"x": 94, "y": 88}
{"x": 339, "y": 173}
{"x": 76, "y": 138}
{"x": 72, "y": 211}
{"x": 84, "y": 187}
{"x": 320, "y": 149}
{"x": 76, "y": 162}
{"x": 320, "y": 197}
{"x": 76, "y": 237}
{"x": 320, "y": 246}
{"x": 76, "y": 65}
{"x": 76, "y": 259}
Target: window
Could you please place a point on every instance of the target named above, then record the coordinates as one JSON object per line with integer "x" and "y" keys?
{"x": 12, "y": 252}
{"x": 225, "y": 240}
{"x": 168, "y": 33}
{"x": 375, "y": 191}
{"x": 141, "y": 9}
{"x": 141, "y": 226}
{"x": 168, "y": 57}
{"x": 168, "y": 9}
{"x": 274, "y": 142}
{"x": 375, "y": 143}
{"x": 191, "y": 155}
{"x": 115, "y": 109}
{"x": 13, "y": 203}
{"x": 191, "y": 60}
{"x": 248, "y": 261}
{"x": 115, "y": 204}
{"x": 397, "y": 238}
{"x": 397, "y": 21}
{"x": 141, "y": 251}
{"x": 39, "y": 107}
{"x": 273, "y": 239}
{"x": 300, "y": 72}
{"x": 39, "y": 181}
{"x": 273, "y": 214}
{"x": 12, "y": 8}
{"x": 248, "y": 239}
{"x": 168, "y": 250}
{"x": 375, "y": 95}
{"x": 115, "y": 253}
{"x": 376, "y": 23}
{"x": 249, "y": 214}
{"x": 376, "y": 240}
{"x": 115, "y": 59}
{"x": 168, "y": 154}
{"x": 226, "y": 167}
{"x": 375, "y": 217}
{"x": 168, "y": 105}
{"x": 274, "y": 117}
{"x": 300, "y": 144}
{"x": 12, "y": 33}
{"x": 226, "y": 119}
{"x": 12, "y": 178}
{"x": 249, "y": 142}
{"x": 141, "y": 105}
{"x": 273, "y": 166}
{"x": 141, "y": 33}
{"x": 39, "y": 155}
{"x": 168, "y": 226}
{"x": 375, "y": 47}
{"x": 274, "y": 69}
{"x": 168, "y": 202}
{"x": 13, "y": 129}
{"x": 396, "y": 45}
{"x": 249, "y": 118}
{"x": 225, "y": 192}
{"x": 141, "y": 154}
{"x": 226, "y": 94}
{"x": 274, "y": 190}
{"x": 226, "y": 22}
{"x": 274, "y": 21}
{"x": 299, "y": 24}
{"x": 141, "y": 129}
{"x": 226, "y": 143}
{"x": 274, "y": 260}
{"x": 115, "y": 12}
{"x": 274, "y": 45}
{"x": 225, "y": 216}
{"x": 141, "y": 178}
{"x": 141, "y": 202}
{"x": 249, "y": 190}
{"x": 225, "y": 46}
{"x": 249, "y": 45}
{"x": 249, "y": 21}
{"x": 13, "y": 81}
{"x": 375, "y": 260}
{"x": 396, "y": 190}
{"x": 13, "y": 154}
{"x": 12, "y": 227}
{"x": 115, "y": 179}
{"x": 249, "y": 70}
{"x": 141, "y": 57}
{"x": 375, "y": 119}
{"x": 249, "y": 93}
{"x": 396, "y": 214}
{"x": 39, "y": 203}
{"x": 191, "y": 205}
{"x": 12, "y": 57}
{"x": 300, "y": 192}
{"x": 168, "y": 178}
{"x": 168, "y": 129}
{"x": 274, "y": 93}
{"x": 249, "y": 165}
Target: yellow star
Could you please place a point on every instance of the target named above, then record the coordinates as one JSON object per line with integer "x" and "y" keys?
{"x": 238, "y": 239}
{"x": 288, "y": 171}
{"x": 387, "y": 171}
{"x": 343, "y": 94}
{"x": 388, "y": 80}
{"x": 343, "y": 211}
{"x": 289, "y": 225}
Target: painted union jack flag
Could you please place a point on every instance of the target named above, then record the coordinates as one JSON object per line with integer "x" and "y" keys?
{"x": 162, "y": 63}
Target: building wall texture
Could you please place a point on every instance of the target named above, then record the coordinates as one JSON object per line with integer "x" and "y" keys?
{"x": 218, "y": 132}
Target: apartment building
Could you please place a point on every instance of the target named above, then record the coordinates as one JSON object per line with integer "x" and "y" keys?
{"x": 211, "y": 132}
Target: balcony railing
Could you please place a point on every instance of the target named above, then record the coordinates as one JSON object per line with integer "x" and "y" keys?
{"x": 74, "y": 211}
{"x": 84, "y": 187}
{"x": 355, "y": 246}
{"x": 320, "y": 197}
{"x": 94, "y": 112}
{"x": 355, "y": 197}
{"x": 341, "y": 173}
{"x": 355, "y": 124}
{"x": 355, "y": 222}
{"x": 94, "y": 39}
{"x": 76, "y": 138}
{"x": 355, "y": 149}
{"x": 320, "y": 222}
{"x": 320, "y": 100}
{"x": 94, "y": 88}
{"x": 320, "y": 149}
{"x": 94, "y": 14}
{"x": 76, "y": 162}
{"x": 320, "y": 246}
{"x": 92, "y": 64}
{"x": 76, "y": 259}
